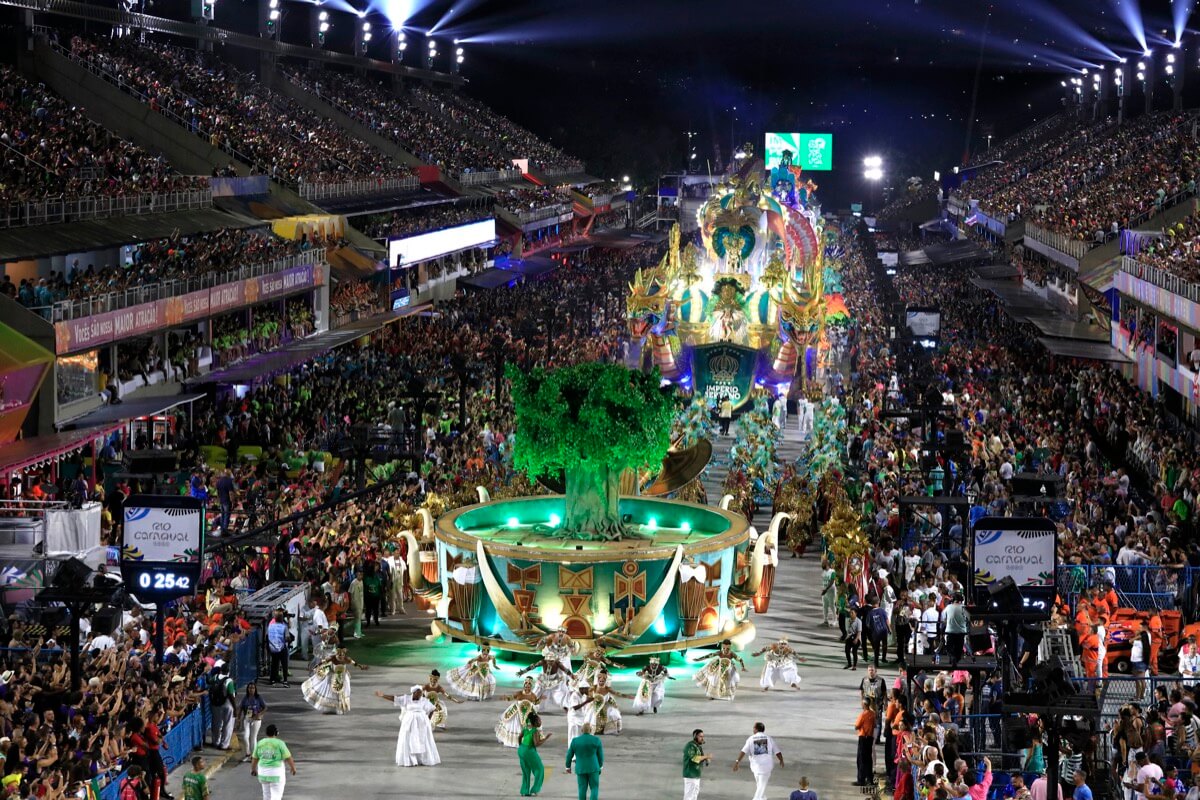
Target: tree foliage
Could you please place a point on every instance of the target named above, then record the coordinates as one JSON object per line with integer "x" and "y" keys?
{"x": 590, "y": 415}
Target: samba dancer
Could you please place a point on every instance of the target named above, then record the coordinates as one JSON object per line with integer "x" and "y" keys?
{"x": 553, "y": 682}
{"x": 327, "y": 689}
{"x": 414, "y": 746}
{"x": 558, "y": 646}
{"x": 600, "y": 708}
{"x": 593, "y": 663}
{"x": 780, "y": 665}
{"x": 653, "y": 688}
{"x": 719, "y": 677}
{"x": 474, "y": 680}
{"x": 512, "y": 721}
{"x": 436, "y": 693}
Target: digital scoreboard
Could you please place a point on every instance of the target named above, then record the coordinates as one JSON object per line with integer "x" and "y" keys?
{"x": 162, "y": 546}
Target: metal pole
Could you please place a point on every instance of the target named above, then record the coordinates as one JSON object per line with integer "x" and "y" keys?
{"x": 160, "y": 617}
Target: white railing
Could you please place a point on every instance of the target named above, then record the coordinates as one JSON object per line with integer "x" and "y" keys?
{"x": 343, "y": 189}
{"x": 492, "y": 176}
{"x": 1161, "y": 278}
{"x": 569, "y": 169}
{"x": 1068, "y": 245}
{"x": 533, "y": 215}
{"x": 174, "y": 287}
{"x": 57, "y": 209}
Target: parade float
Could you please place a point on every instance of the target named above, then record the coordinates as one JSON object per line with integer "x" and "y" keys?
{"x": 614, "y": 567}
{"x": 744, "y": 304}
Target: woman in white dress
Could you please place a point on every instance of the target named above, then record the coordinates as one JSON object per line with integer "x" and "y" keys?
{"x": 436, "y": 694}
{"x": 719, "y": 677}
{"x": 600, "y": 708}
{"x": 653, "y": 688}
{"x": 780, "y": 665}
{"x": 559, "y": 646}
{"x": 328, "y": 688}
{"x": 415, "y": 746}
{"x": 593, "y": 663}
{"x": 512, "y": 721}
{"x": 475, "y": 679}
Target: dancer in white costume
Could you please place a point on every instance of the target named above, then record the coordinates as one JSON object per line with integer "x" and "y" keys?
{"x": 719, "y": 677}
{"x": 780, "y": 665}
{"x": 577, "y": 714}
{"x": 553, "y": 682}
{"x": 436, "y": 694}
{"x": 512, "y": 721}
{"x": 415, "y": 746}
{"x": 475, "y": 679}
{"x": 653, "y": 688}
{"x": 328, "y": 688}
{"x": 600, "y": 709}
{"x": 558, "y": 646}
{"x": 593, "y": 663}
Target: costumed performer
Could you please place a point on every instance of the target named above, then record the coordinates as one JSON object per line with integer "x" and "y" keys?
{"x": 558, "y": 646}
{"x": 719, "y": 677}
{"x": 512, "y": 721}
{"x": 593, "y": 663}
{"x": 327, "y": 689}
{"x": 414, "y": 746}
{"x": 437, "y": 694}
{"x": 601, "y": 707}
{"x": 553, "y": 682}
{"x": 475, "y": 679}
{"x": 780, "y": 665}
{"x": 653, "y": 687}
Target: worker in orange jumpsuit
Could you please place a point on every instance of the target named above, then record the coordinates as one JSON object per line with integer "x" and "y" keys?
{"x": 1156, "y": 640}
{"x": 1110, "y": 597}
{"x": 1101, "y": 609}
{"x": 1089, "y": 643}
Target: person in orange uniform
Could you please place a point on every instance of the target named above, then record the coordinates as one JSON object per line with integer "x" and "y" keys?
{"x": 1156, "y": 640}
{"x": 1089, "y": 643}
{"x": 1111, "y": 598}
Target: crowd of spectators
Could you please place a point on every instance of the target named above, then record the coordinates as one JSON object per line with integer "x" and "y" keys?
{"x": 52, "y": 150}
{"x": 911, "y": 196}
{"x": 230, "y": 107}
{"x": 353, "y": 297}
{"x": 1091, "y": 182}
{"x": 500, "y": 133}
{"x": 417, "y": 129}
{"x": 172, "y": 258}
{"x": 520, "y": 199}
{"x": 410, "y": 222}
{"x": 1177, "y": 251}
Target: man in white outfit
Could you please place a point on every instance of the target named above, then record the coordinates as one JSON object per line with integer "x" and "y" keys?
{"x": 804, "y": 416}
{"x": 762, "y": 751}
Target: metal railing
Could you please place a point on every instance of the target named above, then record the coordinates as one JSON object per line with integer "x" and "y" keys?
{"x": 59, "y": 209}
{"x": 536, "y": 214}
{"x": 1139, "y": 586}
{"x": 1161, "y": 278}
{"x": 343, "y": 189}
{"x": 1067, "y": 245}
{"x": 174, "y": 287}
{"x": 569, "y": 169}
{"x": 492, "y": 176}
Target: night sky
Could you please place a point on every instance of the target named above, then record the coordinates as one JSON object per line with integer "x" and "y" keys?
{"x": 621, "y": 82}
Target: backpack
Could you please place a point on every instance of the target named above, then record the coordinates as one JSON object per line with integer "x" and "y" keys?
{"x": 877, "y": 624}
{"x": 218, "y": 692}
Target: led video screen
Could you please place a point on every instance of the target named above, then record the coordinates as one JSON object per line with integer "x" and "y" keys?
{"x": 415, "y": 249}
{"x": 812, "y": 152}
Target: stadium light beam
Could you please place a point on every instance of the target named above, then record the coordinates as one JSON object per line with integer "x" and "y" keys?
{"x": 1130, "y": 13}
{"x": 873, "y": 162}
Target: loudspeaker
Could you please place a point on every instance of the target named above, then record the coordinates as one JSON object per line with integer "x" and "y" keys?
{"x": 978, "y": 641}
{"x": 71, "y": 574}
{"x": 1004, "y": 597}
{"x": 106, "y": 621}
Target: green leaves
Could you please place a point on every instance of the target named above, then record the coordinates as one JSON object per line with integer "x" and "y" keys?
{"x": 590, "y": 414}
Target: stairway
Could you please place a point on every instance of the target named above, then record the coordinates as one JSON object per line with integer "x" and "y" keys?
{"x": 1056, "y": 648}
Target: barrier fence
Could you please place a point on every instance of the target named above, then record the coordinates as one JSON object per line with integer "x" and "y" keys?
{"x": 175, "y": 287}
{"x": 1161, "y": 278}
{"x": 493, "y": 176}
{"x": 1143, "y": 586}
{"x": 59, "y": 209}
{"x": 344, "y": 189}
{"x": 537, "y": 214}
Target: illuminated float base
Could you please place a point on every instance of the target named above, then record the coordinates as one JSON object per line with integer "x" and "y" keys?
{"x": 506, "y": 579}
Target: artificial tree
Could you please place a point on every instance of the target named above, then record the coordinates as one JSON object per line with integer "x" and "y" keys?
{"x": 591, "y": 421}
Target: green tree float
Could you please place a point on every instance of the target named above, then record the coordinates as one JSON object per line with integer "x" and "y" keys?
{"x": 592, "y": 421}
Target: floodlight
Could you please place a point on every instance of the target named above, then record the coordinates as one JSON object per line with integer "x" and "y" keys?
{"x": 366, "y": 26}
{"x": 323, "y": 16}
{"x": 1141, "y": 76}
{"x": 432, "y": 44}
{"x": 1170, "y": 58}
{"x": 274, "y": 4}
{"x": 1141, "y": 65}
{"x": 1148, "y": 52}
{"x": 1123, "y": 59}
{"x": 1064, "y": 83}
{"x": 367, "y": 37}
{"x": 873, "y": 162}
{"x": 324, "y": 28}
{"x": 873, "y": 174}
{"x": 1085, "y": 70}
{"x": 1170, "y": 70}
{"x": 274, "y": 14}
{"x": 404, "y": 45}
{"x": 458, "y": 52}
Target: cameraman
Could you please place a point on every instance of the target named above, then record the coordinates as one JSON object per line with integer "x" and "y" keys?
{"x": 279, "y": 639}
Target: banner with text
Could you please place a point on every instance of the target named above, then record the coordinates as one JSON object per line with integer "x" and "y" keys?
{"x": 1021, "y": 548}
